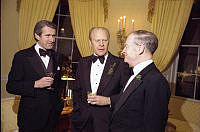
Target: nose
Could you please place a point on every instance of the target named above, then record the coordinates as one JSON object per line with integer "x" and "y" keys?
{"x": 101, "y": 43}
{"x": 52, "y": 38}
{"x": 123, "y": 51}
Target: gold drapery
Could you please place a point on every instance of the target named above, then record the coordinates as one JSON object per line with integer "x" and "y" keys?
{"x": 168, "y": 23}
{"x": 30, "y": 12}
{"x": 85, "y": 14}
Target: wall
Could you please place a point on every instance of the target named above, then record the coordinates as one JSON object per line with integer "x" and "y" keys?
{"x": 9, "y": 39}
{"x": 132, "y": 9}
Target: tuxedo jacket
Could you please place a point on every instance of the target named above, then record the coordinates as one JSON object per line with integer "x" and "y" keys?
{"x": 143, "y": 106}
{"x": 113, "y": 79}
{"x": 36, "y": 104}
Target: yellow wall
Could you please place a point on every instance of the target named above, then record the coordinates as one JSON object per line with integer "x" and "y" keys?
{"x": 9, "y": 39}
{"x": 132, "y": 9}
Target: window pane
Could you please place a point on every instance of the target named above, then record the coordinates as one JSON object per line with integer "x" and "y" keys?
{"x": 65, "y": 27}
{"x": 55, "y": 20}
{"x": 74, "y": 68}
{"x": 64, "y": 8}
{"x": 187, "y": 59}
{"x": 185, "y": 85}
{"x": 64, "y": 47}
{"x": 191, "y": 34}
{"x": 198, "y": 88}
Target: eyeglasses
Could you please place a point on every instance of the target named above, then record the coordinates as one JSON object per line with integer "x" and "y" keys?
{"x": 101, "y": 40}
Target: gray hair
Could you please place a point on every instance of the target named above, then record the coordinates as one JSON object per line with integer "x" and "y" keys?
{"x": 148, "y": 39}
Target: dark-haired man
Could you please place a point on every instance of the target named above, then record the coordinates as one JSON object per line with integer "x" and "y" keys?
{"x": 34, "y": 76}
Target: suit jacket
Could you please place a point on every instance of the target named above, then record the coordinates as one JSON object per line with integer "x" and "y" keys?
{"x": 143, "y": 106}
{"x": 114, "y": 76}
{"x": 36, "y": 104}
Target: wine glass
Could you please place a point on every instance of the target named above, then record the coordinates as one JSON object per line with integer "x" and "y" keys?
{"x": 90, "y": 93}
{"x": 50, "y": 74}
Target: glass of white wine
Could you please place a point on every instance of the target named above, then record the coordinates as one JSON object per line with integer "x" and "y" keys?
{"x": 50, "y": 74}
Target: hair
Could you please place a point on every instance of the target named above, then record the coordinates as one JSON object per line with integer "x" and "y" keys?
{"x": 98, "y": 28}
{"x": 39, "y": 25}
{"x": 148, "y": 39}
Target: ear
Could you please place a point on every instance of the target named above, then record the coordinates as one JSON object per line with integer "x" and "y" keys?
{"x": 90, "y": 43}
{"x": 141, "y": 49}
{"x": 37, "y": 36}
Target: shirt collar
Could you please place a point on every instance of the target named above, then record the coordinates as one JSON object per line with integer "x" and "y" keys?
{"x": 139, "y": 67}
{"x": 106, "y": 56}
{"x": 37, "y": 47}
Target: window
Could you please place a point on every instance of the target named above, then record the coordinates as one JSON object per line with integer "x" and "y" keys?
{"x": 65, "y": 39}
{"x": 188, "y": 75}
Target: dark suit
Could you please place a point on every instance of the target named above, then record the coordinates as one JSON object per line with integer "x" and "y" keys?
{"x": 143, "y": 106}
{"x": 93, "y": 118}
{"x": 38, "y": 106}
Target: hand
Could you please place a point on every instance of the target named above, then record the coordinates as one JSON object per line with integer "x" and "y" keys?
{"x": 43, "y": 82}
{"x": 98, "y": 100}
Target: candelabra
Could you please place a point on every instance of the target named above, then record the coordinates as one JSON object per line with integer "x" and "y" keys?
{"x": 121, "y": 39}
{"x": 121, "y": 34}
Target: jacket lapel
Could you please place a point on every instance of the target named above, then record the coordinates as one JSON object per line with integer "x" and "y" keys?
{"x": 36, "y": 62}
{"x": 135, "y": 83}
{"x": 87, "y": 70}
{"x": 124, "y": 95}
{"x": 107, "y": 74}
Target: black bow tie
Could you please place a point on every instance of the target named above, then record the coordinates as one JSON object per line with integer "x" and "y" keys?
{"x": 44, "y": 53}
{"x": 131, "y": 71}
{"x": 101, "y": 58}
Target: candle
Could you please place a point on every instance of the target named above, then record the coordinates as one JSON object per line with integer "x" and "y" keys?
{"x": 118, "y": 24}
{"x": 67, "y": 92}
{"x": 132, "y": 25}
{"x": 124, "y": 23}
{"x": 121, "y": 23}
{"x": 70, "y": 93}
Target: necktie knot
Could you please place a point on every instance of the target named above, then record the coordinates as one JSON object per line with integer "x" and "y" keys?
{"x": 101, "y": 59}
{"x": 44, "y": 53}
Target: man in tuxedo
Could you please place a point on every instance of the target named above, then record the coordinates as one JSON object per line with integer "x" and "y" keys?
{"x": 143, "y": 103}
{"x": 35, "y": 77}
{"x": 102, "y": 76}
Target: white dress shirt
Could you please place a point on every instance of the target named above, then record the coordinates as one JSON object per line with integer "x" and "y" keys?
{"x": 96, "y": 73}
{"x": 45, "y": 59}
{"x": 137, "y": 69}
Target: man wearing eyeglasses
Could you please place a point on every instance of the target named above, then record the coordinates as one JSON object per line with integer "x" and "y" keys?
{"x": 100, "y": 78}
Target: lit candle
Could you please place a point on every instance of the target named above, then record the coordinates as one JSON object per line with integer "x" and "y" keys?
{"x": 124, "y": 24}
{"x": 67, "y": 92}
{"x": 118, "y": 24}
{"x": 70, "y": 93}
{"x": 121, "y": 23}
{"x": 132, "y": 25}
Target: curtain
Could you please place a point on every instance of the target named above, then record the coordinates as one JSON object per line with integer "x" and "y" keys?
{"x": 30, "y": 12}
{"x": 168, "y": 23}
{"x": 85, "y": 14}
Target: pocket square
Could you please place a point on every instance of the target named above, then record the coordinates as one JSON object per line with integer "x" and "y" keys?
{"x": 58, "y": 68}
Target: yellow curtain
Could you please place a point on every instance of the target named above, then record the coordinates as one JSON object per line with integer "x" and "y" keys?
{"x": 32, "y": 11}
{"x": 85, "y": 14}
{"x": 168, "y": 23}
